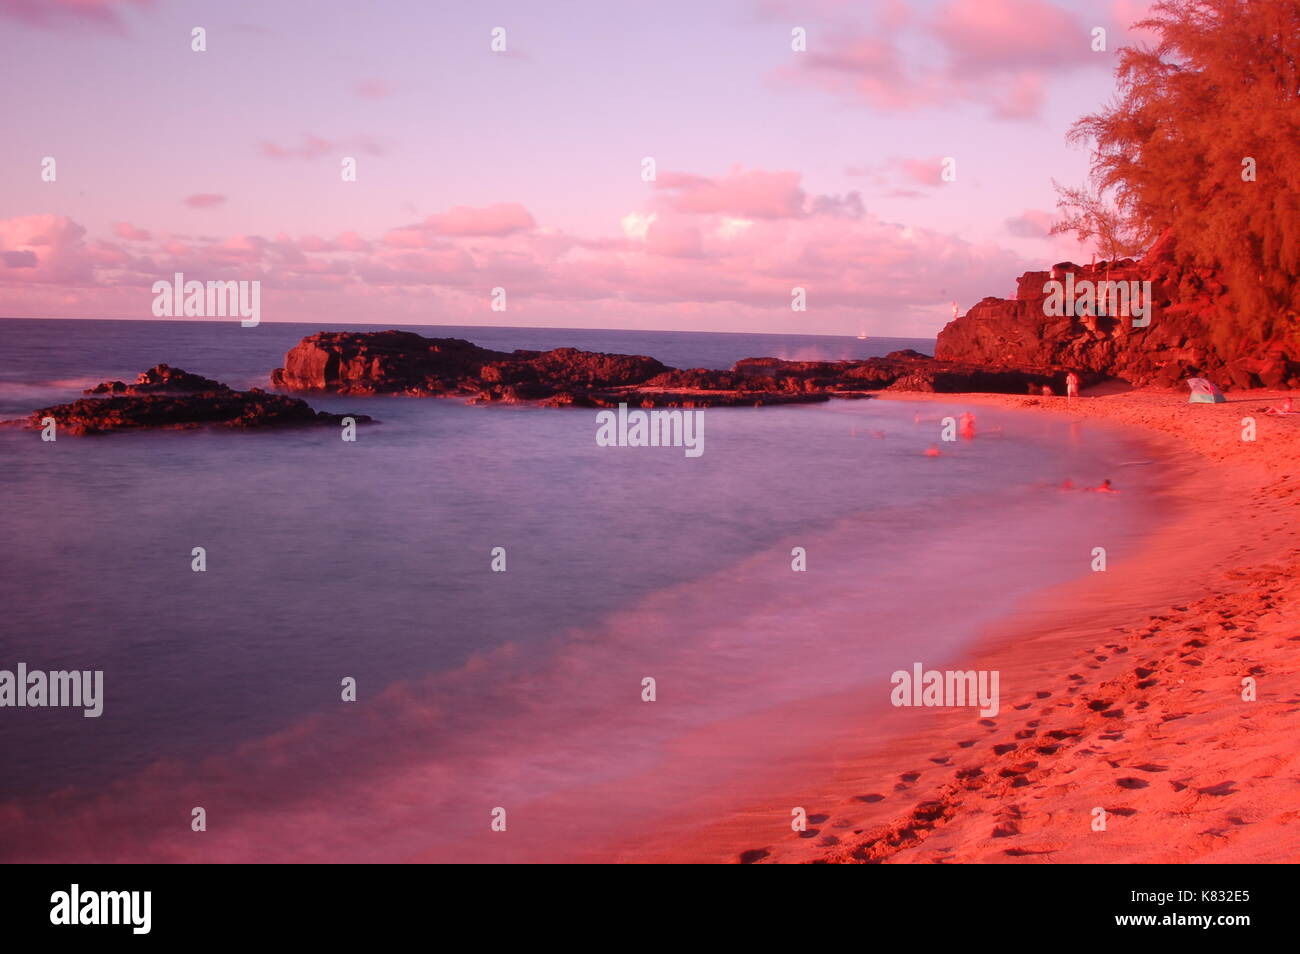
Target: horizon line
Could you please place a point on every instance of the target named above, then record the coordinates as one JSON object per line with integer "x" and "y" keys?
{"x": 703, "y": 331}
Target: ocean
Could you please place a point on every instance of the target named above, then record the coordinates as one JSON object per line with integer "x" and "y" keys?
{"x": 479, "y": 690}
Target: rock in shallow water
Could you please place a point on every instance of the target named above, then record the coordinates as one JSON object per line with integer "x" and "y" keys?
{"x": 169, "y": 398}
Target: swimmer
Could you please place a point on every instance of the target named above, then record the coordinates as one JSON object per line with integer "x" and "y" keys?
{"x": 967, "y": 428}
{"x": 1104, "y": 488}
{"x": 933, "y": 451}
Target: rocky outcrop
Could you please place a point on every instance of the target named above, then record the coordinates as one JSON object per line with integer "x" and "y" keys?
{"x": 400, "y": 362}
{"x": 1179, "y": 341}
{"x": 160, "y": 379}
{"x": 169, "y": 398}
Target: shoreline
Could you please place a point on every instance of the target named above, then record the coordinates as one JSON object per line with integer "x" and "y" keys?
{"x": 1121, "y": 691}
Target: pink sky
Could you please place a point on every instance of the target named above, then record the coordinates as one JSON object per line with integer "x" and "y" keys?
{"x": 523, "y": 169}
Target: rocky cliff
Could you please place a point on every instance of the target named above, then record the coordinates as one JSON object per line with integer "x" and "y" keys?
{"x": 1178, "y": 342}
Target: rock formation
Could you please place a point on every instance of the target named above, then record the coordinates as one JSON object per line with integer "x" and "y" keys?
{"x": 160, "y": 379}
{"x": 401, "y": 362}
{"x": 165, "y": 397}
{"x": 1178, "y": 343}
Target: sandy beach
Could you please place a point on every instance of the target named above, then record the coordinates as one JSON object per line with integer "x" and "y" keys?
{"x": 1121, "y": 691}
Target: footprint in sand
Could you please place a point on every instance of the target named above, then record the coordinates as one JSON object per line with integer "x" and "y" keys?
{"x": 1129, "y": 782}
{"x": 873, "y": 797}
{"x": 1223, "y": 788}
{"x": 1062, "y": 734}
{"x": 1022, "y": 768}
{"x": 753, "y": 855}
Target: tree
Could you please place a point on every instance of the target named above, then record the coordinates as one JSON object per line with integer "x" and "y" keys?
{"x": 1217, "y": 98}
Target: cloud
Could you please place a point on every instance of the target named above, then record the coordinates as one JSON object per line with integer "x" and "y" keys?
{"x": 204, "y": 200}
{"x": 636, "y": 224}
{"x": 125, "y": 230}
{"x": 315, "y": 147}
{"x": 22, "y": 259}
{"x": 1031, "y": 223}
{"x": 55, "y": 14}
{"x": 751, "y": 194}
{"x": 993, "y": 37}
{"x": 847, "y": 206}
{"x": 922, "y": 171}
{"x": 996, "y": 53}
{"x": 44, "y": 249}
{"x": 674, "y": 240}
{"x": 503, "y": 218}
{"x": 726, "y": 250}
{"x": 910, "y": 172}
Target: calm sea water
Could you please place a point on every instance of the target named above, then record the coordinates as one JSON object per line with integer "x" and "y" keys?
{"x": 477, "y": 689}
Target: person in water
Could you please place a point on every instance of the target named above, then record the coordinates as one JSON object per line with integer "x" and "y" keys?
{"x": 1104, "y": 488}
{"x": 967, "y": 428}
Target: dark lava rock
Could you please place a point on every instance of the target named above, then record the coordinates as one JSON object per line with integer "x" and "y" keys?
{"x": 170, "y": 398}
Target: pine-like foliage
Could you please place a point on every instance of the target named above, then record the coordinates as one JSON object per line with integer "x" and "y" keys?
{"x": 1220, "y": 87}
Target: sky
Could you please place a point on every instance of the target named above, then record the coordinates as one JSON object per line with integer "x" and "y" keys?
{"x": 525, "y": 169}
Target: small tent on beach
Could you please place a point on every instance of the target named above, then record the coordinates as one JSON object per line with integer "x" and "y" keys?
{"x": 1204, "y": 392}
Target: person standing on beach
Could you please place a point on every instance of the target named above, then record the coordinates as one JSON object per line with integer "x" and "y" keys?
{"x": 1071, "y": 385}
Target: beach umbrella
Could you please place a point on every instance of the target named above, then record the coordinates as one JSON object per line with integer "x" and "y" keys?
{"x": 1204, "y": 392}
